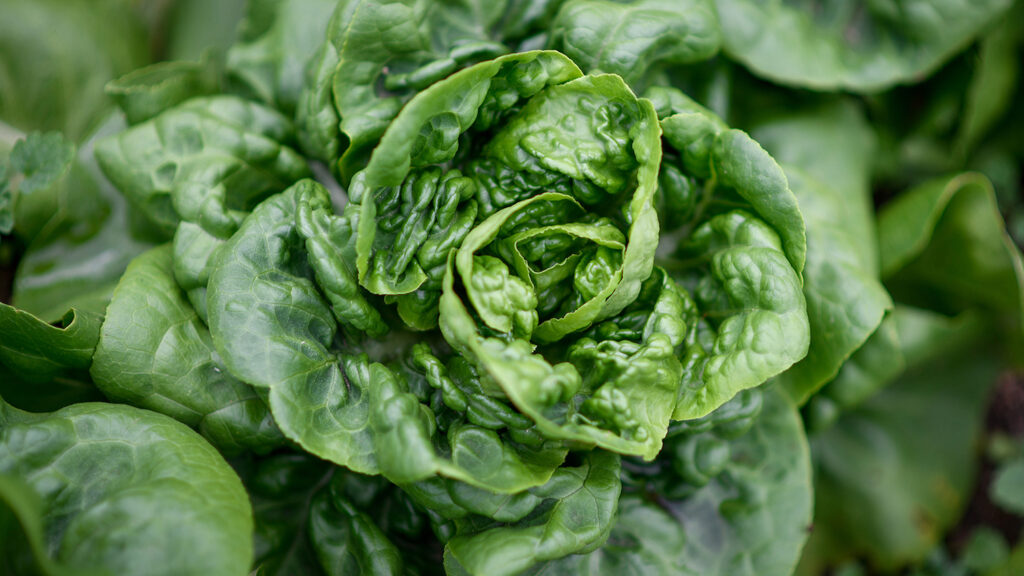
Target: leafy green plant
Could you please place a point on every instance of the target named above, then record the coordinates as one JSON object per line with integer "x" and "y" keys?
{"x": 500, "y": 288}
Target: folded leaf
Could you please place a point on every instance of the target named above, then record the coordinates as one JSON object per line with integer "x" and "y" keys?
{"x": 582, "y": 504}
{"x": 944, "y": 247}
{"x": 403, "y": 46}
{"x": 752, "y": 519}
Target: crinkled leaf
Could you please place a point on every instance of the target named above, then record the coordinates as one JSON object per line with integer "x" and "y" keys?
{"x": 859, "y": 46}
{"x": 203, "y": 161}
{"x": 583, "y": 501}
{"x": 274, "y": 329}
{"x": 618, "y": 386}
{"x": 755, "y": 323}
{"x": 738, "y": 162}
{"x": 402, "y": 46}
{"x": 154, "y": 352}
{"x": 117, "y": 484}
{"x": 751, "y": 520}
{"x": 633, "y": 39}
{"x": 423, "y": 212}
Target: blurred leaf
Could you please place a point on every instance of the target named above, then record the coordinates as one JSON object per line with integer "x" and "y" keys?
{"x": 859, "y": 46}
{"x": 885, "y": 490}
{"x": 56, "y": 55}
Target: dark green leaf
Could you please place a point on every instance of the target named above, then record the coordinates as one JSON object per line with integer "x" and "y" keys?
{"x": 859, "y": 46}
{"x": 118, "y": 483}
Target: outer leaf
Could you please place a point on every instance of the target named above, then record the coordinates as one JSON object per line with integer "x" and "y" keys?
{"x": 21, "y": 525}
{"x": 872, "y": 367}
{"x": 276, "y": 42}
{"x": 273, "y": 329}
{"x": 632, "y": 39}
{"x": 944, "y": 247}
{"x": 751, "y": 520}
{"x": 202, "y": 162}
{"x": 44, "y": 366}
{"x": 117, "y": 483}
{"x": 37, "y": 351}
{"x": 883, "y": 491}
{"x": 859, "y": 46}
{"x": 829, "y": 151}
{"x": 845, "y": 300}
{"x": 581, "y": 513}
{"x": 155, "y": 353}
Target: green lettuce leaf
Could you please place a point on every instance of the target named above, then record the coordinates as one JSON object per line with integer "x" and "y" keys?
{"x": 146, "y": 92}
{"x": 46, "y": 367}
{"x": 155, "y": 353}
{"x": 276, "y": 40}
{"x": 634, "y": 39}
{"x": 56, "y": 55}
{"x": 79, "y": 232}
{"x": 274, "y": 329}
{"x": 826, "y": 154}
{"x": 205, "y": 161}
{"x": 883, "y": 491}
{"x": 858, "y": 46}
{"x": 404, "y": 47}
{"x": 580, "y": 507}
{"x": 116, "y": 485}
{"x": 751, "y": 519}
{"x": 944, "y": 247}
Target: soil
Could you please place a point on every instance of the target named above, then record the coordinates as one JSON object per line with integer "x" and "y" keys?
{"x": 1005, "y": 416}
